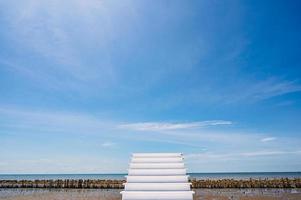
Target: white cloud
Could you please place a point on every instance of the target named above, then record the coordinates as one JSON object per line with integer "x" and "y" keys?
{"x": 78, "y": 122}
{"x": 214, "y": 146}
{"x": 108, "y": 144}
{"x": 268, "y": 139}
{"x": 233, "y": 161}
{"x": 193, "y": 134}
{"x": 239, "y": 155}
{"x": 163, "y": 126}
{"x": 45, "y": 121}
{"x": 267, "y": 153}
{"x": 242, "y": 91}
{"x": 256, "y": 90}
{"x": 64, "y": 164}
{"x": 50, "y": 34}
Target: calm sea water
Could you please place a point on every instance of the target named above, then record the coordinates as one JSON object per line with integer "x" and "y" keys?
{"x": 241, "y": 175}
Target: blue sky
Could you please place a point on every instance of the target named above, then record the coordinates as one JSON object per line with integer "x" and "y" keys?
{"x": 83, "y": 84}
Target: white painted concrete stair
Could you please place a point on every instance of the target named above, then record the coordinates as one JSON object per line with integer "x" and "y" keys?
{"x": 157, "y": 176}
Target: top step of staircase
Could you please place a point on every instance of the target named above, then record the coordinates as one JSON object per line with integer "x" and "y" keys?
{"x": 156, "y": 155}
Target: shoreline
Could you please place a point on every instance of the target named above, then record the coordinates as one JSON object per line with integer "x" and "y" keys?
{"x": 121, "y": 176}
{"x": 118, "y": 184}
{"x": 114, "y": 194}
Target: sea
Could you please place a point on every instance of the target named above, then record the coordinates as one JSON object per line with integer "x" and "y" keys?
{"x": 213, "y": 176}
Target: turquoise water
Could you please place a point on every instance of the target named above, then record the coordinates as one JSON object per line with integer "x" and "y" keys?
{"x": 240, "y": 175}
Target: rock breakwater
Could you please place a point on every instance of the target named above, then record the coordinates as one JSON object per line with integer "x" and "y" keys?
{"x": 67, "y": 183}
{"x": 250, "y": 183}
{"x": 118, "y": 184}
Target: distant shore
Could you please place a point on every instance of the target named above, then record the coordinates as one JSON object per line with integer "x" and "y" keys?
{"x": 118, "y": 184}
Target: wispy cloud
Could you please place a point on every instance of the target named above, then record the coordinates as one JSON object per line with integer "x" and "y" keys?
{"x": 256, "y": 90}
{"x": 108, "y": 144}
{"x": 252, "y": 160}
{"x": 41, "y": 28}
{"x": 268, "y": 153}
{"x": 194, "y": 134}
{"x": 64, "y": 164}
{"x": 189, "y": 137}
{"x": 45, "y": 121}
{"x": 44, "y": 29}
{"x": 274, "y": 87}
{"x": 163, "y": 126}
{"x": 268, "y": 139}
{"x": 230, "y": 156}
{"x": 33, "y": 121}
{"x": 242, "y": 91}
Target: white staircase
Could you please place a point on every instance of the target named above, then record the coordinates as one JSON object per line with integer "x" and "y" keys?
{"x": 157, "y": 176}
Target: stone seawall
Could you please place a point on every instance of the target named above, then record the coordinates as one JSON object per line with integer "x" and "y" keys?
{"x": 250, "y": 183}
{"x": 118, "y": 184}
{"x": 67, "y": 183}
